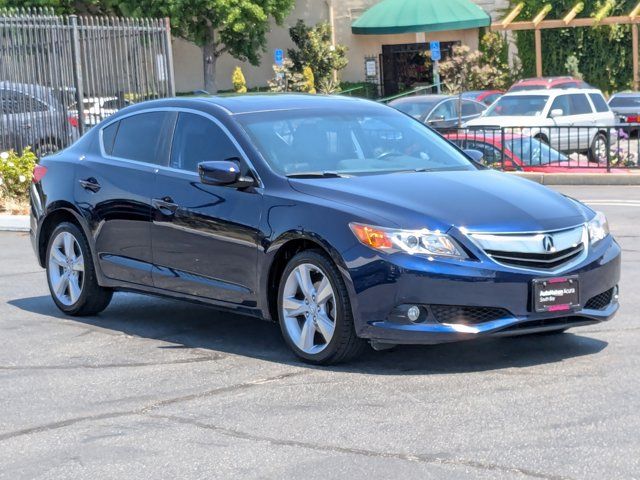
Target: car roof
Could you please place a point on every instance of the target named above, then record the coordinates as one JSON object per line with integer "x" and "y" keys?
{"x": 552, "y": 92}
{"x": 626, "y": 94}
{"x": 249, "y": 103}
{"x": 422, "y": 99}
{"x": 546, "y": 80}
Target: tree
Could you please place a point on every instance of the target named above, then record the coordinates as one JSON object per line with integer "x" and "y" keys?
{"x": 237, "y": 27}
{"x": 238, "y": 81}
{"x": 315, "y": 49}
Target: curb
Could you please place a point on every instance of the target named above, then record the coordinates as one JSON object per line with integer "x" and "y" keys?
{"x": 14, "y": 223}
{"x": 581, "y": 178}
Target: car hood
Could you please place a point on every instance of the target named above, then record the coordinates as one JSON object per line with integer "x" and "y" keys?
{"x": 479, "y": 200}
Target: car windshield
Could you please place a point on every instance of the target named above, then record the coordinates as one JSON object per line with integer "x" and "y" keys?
{"x": 625, "y": 101}
{"x": 314, "y": 142}
{"x": 415, "y": 109}
{"x": 533, "y": 152}
{"x": 518, "y": 105}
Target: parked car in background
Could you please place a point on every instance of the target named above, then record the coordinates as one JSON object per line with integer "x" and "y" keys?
{"x": 483, "y": 96}
{"x": 359, "y": 224}
{"x": 512, "y": 152}
{"x": 573, "y": 120}
{"x": 96, "y": 109}
{"x": 441, "y": 112}
{"x": 626, "y": 107}
{"x": 548, "y": 83}
{"x": 34, "y": 116}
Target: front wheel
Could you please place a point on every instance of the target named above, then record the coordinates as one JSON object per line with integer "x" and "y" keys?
{"x": 315, "y": 312}
{"x": 71, "y": 274}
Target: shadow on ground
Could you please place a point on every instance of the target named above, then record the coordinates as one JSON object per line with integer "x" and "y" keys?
{"x": 186, "y": 325}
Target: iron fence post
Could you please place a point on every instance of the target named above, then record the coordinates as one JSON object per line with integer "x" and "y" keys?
{"x": 169, "y": 55}
{"x": 77, "y": 70}
{"x": 608, "y": 147}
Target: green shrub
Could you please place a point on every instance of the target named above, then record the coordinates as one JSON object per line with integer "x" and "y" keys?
{"x": 309, "y": 85}
{"x": 15, "y": 174}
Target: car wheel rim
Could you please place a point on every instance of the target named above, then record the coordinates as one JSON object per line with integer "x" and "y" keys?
{"x": 66, "y": 268}
{"x": 309, "y": 308}
{"x": 601, "y": 149}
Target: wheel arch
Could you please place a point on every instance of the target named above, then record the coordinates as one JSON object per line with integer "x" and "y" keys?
{"x": 58, "y": 213}
{"x": 284, "y": 249}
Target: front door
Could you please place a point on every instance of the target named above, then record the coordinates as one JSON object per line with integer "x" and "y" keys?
{"x": 204, "y": 237}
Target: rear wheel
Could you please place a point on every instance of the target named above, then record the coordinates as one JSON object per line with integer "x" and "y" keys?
{"x": 71, "y": 274}
{"x": 598, "y": 151}
{"x": 315, "y": 312}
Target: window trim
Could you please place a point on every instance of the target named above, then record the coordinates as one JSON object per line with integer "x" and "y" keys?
{"x": 167, "y": 168}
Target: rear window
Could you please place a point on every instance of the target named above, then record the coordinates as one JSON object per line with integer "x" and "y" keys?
{"x": 625, "y": 101}
{"x": 144, "y": 137}
{"x": 598, "y": 102}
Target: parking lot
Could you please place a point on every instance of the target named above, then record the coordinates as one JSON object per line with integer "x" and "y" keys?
{"x": 157, "y": 388}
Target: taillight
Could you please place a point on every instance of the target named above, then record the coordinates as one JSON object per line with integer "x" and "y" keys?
{"x": 73, "y": 121}
{"x": 38, "y": 173}
{"x": 633, "y": 119}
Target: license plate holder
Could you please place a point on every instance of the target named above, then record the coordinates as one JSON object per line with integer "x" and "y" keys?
{"x": 561, "y": 294}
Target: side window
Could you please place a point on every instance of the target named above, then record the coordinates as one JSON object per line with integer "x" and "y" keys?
{"x": 562, "y": 103}
{"x": 108, "y": 136}
{"x": 470, "y": 108}
{"x": 144, "y": 137}
{"x": 579, "y": 104}
{"x": 599, "y": 103}
{"x": 199, "y": 139}
{"x": 445, "y": 110}
{"x": 491, "y": 154}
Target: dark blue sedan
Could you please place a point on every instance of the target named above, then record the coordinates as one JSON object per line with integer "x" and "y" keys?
{"x": 344, "y": 220}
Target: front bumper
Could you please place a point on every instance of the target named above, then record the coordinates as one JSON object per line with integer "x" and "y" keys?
{"x": 380, "y": 285}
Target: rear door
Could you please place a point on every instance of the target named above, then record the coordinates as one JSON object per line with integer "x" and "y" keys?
{"x": 583, "y": 121}
{"x": 205, "y": 237}
{"x": 115, "y": 188}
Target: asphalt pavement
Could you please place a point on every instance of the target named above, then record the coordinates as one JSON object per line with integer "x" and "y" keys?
{"x": 155, "y": 389}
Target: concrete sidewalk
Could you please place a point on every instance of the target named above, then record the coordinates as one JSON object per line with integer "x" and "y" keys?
{"x": 631, "y": 178}
{"x": 14, "y": 223}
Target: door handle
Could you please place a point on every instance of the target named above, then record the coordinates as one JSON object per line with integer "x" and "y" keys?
{"x": 90, "y": 184}
{"x": 26, "y": 125}
{"x": 166, "y": 205}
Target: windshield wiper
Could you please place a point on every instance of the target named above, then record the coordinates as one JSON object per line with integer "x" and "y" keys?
{"x": 326, "y": 174}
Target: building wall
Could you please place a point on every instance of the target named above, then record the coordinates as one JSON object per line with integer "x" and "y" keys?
{"x": 188, "y": 57}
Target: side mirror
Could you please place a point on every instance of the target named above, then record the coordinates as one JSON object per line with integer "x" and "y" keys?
{"x": 475, "y": 155}
{"x": 556, "y": 112}
{"x": 223, "y": 173}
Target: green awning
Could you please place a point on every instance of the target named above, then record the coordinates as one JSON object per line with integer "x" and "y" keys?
{"x": 410, "y": 16}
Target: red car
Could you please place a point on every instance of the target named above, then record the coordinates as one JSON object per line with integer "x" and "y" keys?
{"x": 546, "y": 83}
{"x": 518, "y": 152}
{"x": 483, "y": 96}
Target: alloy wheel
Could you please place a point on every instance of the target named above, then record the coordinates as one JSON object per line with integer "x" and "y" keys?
{"x": 309, "y": 308}
{"x": 66, "y": 268}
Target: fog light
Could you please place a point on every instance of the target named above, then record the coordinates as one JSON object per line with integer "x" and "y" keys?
{"x": 413, "y": 313}
{"x": 616, "y": 292}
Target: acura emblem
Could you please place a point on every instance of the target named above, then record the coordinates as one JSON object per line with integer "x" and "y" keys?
{"x": 547, "y": 243}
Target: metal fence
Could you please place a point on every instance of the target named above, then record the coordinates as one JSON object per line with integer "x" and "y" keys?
{"x": 60, "y": 75}
{"x": 552, "y": 148}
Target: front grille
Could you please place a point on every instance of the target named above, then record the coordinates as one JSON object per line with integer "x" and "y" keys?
{"x": 537, "y": 260}
{"x": 467, "y": 315}
{"x": 600, "y": 301}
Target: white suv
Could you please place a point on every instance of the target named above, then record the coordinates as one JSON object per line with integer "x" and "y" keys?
{"x": 570, "y": 120}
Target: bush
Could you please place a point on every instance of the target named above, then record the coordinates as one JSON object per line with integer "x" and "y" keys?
{"x": 239, "y": 83}
{"x": 309, "y": 85}
{"x": 15, "y": 174}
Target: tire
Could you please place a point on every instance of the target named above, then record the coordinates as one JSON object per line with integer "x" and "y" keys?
{"x": 305, "y": 322}
{"x": 595, "y": 155}
{"x": 46, "y": 147}
{"x": 71, "y": 274}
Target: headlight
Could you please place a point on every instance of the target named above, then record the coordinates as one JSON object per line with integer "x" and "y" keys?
{"x": 598, "y": 228}
{"x": 415, "y": 242}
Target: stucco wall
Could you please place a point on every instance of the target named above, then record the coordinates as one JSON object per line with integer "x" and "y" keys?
{"x": 188, "y": 57}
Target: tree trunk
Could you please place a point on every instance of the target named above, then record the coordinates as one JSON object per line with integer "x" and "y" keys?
{"x": 209, "y": 62}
